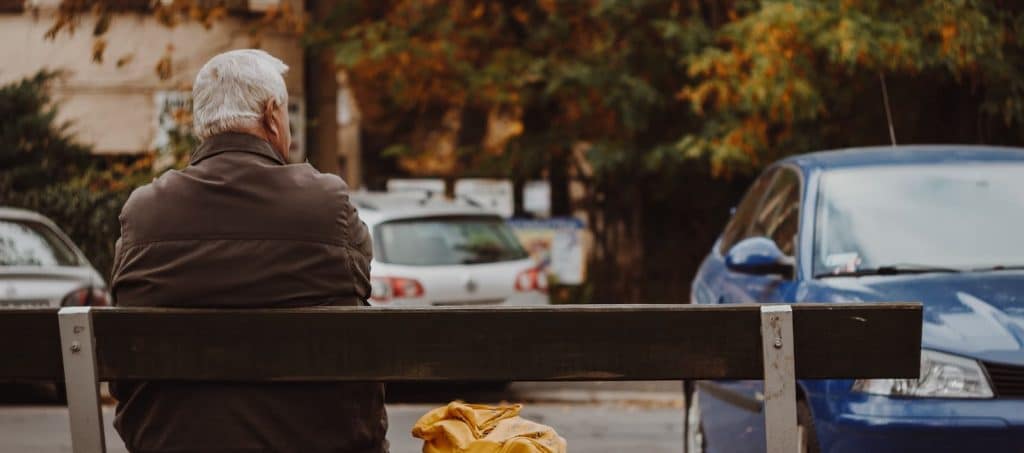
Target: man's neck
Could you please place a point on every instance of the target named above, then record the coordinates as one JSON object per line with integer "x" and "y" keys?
{"x": 259, "y": 133}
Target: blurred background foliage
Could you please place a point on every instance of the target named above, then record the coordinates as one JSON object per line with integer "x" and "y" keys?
{"x": 665, "y": 107}
{"x": 790, "y": 76}
{"x": 46, "y": 170}
{"x": 661, "y": 108}
{"x": 738, "y": 83}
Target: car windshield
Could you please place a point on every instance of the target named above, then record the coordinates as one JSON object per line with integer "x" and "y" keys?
{"x": 32, "y": 244}
{"x": 939, "y": 216}
{"x": 447, "y": 241}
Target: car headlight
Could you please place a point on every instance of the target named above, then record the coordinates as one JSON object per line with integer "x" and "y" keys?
{"x": 942, "y": 376}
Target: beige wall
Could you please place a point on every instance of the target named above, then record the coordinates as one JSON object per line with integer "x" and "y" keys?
{"x": 113, "y": 108}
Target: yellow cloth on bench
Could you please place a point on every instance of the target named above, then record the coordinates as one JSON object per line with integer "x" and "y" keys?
{"x": 473, "y": 428}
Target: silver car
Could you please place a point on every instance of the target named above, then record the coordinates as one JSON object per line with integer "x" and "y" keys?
{"x": 41, "y": 268}
{"x": 429, "y": 251}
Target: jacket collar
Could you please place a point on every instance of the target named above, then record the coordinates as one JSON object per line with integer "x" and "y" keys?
{"x": 234, "y": 141}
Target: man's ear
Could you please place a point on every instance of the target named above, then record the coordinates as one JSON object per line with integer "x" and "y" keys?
{"x": 269, "y": 113}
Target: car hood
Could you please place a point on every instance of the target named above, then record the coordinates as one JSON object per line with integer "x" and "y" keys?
{"x": 979, "y": 314}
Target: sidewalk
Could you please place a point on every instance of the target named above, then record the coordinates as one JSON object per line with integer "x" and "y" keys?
{"x": 606, "y": 428}
{"x": 667, "y": 394}
{"x": 596, "y": 417}
{"x": 660, "y": 393}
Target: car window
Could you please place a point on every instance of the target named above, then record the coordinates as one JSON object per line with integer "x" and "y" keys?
{"x": 960, "y": 216}
{"x": 778, "y": 216}
{"x": 738, "y": 226}
{"x": 447, "y": 241}
{"x": 32, "y": 244}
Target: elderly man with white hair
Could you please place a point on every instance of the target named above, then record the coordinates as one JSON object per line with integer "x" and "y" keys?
{"x": 240, "y": 227}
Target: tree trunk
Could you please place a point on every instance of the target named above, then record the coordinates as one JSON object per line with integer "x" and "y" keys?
{"x": 322, "y": 100}
{"x": 633, "y": 259}
{"x": 616, "y": 264}
{"x": 518, "y": 206}
{"x": 558, "y": 178}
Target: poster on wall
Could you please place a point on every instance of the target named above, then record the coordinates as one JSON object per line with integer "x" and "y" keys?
{"x": 173, "y": 111}
{"x": 173, "y": 115}
{"x": 537, "y": 198}
{"x": 556, "y": 245}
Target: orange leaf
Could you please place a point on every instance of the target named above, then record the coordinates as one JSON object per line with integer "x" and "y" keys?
{"x": 98, "y": 46}
{"x": 125, "y": 59}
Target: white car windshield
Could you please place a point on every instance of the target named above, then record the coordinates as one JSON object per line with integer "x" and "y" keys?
{"x": 937, "y": 216}
{"x": 32, "y": 244}
{"x": 447, "y": 241}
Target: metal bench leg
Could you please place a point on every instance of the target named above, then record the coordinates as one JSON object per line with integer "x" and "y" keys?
{"x": 780, "y": 423}
{"x": 79, "y": 354}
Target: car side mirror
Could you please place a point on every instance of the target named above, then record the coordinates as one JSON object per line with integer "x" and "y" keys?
{"x": 760, "y": 256}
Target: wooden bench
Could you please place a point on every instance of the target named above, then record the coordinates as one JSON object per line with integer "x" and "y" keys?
{"x": 567, "y": 343}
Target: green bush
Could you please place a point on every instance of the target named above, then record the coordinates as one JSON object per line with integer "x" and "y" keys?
{"x": 47, "y": 171}
{"x": 35, "y": 150}
{"x": 88, "y": 217}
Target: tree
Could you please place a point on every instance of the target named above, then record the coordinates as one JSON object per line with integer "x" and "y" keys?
{"x": 34, "y": 149}
{"x": 446, "y": 85}
{"x": 451, "y": 84}
{"x": 647, "y": 84}
{"x": 793, "y": 76}
{"x": 510, "y": 89}
{"x": 281, "y": 17}
{"x": 46, "y": 170}
{"x": 644, "y": 99}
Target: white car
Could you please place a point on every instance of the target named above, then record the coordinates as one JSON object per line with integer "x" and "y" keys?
{"x": 41, "y": 268}
{"x": 433, "y": 252}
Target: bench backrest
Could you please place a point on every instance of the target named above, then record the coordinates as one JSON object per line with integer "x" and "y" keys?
{"x": 620, "y": 342}
{"x": 30, "y": 345}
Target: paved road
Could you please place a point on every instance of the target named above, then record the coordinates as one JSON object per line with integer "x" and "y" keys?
{"x": 593, "y": 417}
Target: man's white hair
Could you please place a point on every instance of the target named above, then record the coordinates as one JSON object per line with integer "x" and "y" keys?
{"x": 232, "y": 88}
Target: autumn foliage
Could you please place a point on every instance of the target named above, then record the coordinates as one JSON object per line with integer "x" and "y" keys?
{"x": 643, "y": 99}
{"x": 447, "y": 86}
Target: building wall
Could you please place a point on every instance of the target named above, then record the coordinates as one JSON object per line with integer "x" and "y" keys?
{"x": 114, "y": 108}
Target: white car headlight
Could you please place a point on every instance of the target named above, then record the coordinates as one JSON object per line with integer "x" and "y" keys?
{"x": 942, "y": 376}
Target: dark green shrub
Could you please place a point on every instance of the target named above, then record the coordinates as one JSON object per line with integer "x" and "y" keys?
{"x": 43, "y": 169}
{"x": 35, "y": 150}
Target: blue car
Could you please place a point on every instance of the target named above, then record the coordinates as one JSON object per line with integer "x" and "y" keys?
{"x": 941, "y": 225}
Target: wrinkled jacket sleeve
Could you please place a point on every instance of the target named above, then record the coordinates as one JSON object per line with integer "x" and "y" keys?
{"x": 360, "y": 246}
{"x": 120, "y": 249}
{"x": 114, "y": 274}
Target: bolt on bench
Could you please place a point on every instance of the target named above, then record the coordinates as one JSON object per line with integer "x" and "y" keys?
{"x": 778, "y": 343}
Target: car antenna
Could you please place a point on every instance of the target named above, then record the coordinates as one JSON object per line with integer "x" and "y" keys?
{"x": 888, "y": 110}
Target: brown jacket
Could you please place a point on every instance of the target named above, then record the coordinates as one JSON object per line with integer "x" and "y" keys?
{"x": 239, "y": 228}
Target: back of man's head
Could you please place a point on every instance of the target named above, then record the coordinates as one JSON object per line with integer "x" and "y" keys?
{"x": 232, "y": 89}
